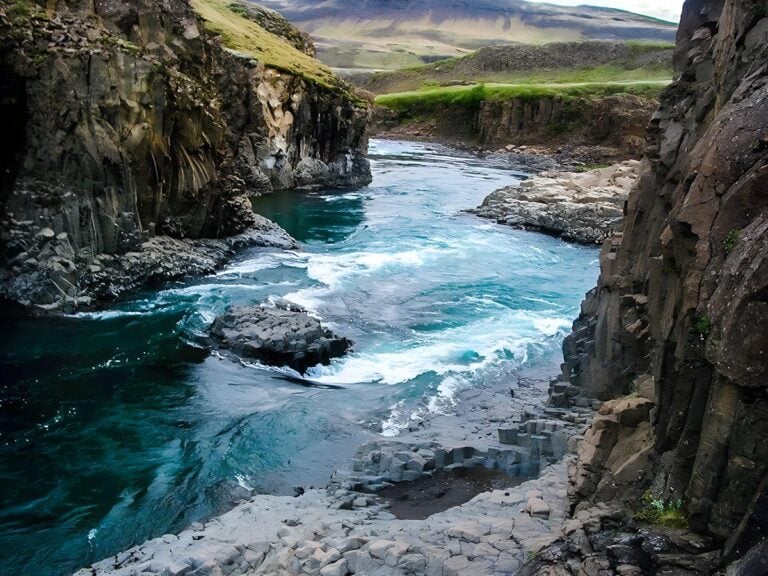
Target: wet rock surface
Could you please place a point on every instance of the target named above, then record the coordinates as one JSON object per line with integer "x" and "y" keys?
{"x": 279, "y": 336}
{"x": 429, "y": 495}
{"x": 347, "y": 528}
{"x": 50, "y": 270}
{"x": 582, "y": 207}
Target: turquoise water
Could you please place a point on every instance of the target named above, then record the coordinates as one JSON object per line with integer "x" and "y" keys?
{"x": 118, "y": 426}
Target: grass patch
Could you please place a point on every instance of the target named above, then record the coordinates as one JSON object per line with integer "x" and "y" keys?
{"x": 471, "y": 97}
{"x": 642, "y": 46}
{"x": 19, "y": 11}
{"x": 662, "y": 513}
{"x": 703, "y": 325}
{"x": 731, "y": 240}
{"x": 238, "y": 33}
{"x": 634, "y": 61}
{"x": 428, "y": 77}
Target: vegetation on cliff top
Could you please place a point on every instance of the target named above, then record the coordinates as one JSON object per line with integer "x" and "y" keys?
{"x": 242, "y": 35}
{"x": 470, "y": 97}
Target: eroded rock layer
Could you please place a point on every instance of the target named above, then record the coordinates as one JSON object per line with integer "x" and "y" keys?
{"x": 680, "y": 313}
{"x": 600, "y": 129}
{"x": 126, "y": 121}
{"x": 583, "y": 207}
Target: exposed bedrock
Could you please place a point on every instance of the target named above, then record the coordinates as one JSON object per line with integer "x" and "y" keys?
{"x": 281, "y": 336}
{"x": 680, "y": 313}
{"x": 128, "y": 121}
{"x": 583, "y": 207}
{"x": 597, "y": 129}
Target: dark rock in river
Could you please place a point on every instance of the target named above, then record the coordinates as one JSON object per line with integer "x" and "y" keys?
{"x": 283, "y": 336}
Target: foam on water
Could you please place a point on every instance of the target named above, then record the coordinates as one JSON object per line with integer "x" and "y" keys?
{"x": 508, "y": 337}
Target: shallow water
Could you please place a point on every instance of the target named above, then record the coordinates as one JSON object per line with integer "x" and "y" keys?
{"x": 117, "y": 426}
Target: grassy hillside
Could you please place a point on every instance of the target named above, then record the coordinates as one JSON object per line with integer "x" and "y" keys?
{"x": 228, "y": 19}
{"x": 556, "y": 63}
{"x": 383, "y": 34}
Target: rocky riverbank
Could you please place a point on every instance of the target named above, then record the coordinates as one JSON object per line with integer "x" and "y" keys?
{"x": 523, "y": 526}
{"x": 132, "y": 128}
{"x": 347, "y": 529}
{"x": 583, "y": 207}
{"x": 51, "y": 264}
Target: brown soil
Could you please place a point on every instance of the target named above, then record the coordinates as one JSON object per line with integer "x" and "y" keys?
{"x": 445, "y": 489}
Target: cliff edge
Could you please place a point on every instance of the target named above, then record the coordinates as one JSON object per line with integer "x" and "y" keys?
{"x": 129, "y": 127}
{"x": 678, "y": 324}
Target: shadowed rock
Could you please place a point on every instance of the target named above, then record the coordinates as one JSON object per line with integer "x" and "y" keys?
{"x": 285, "y": 336}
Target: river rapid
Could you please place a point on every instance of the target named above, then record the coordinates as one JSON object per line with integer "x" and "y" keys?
{"x": 118, "y": 426}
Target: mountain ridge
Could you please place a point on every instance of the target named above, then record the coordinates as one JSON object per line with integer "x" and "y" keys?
{"x": 387, "y": 34}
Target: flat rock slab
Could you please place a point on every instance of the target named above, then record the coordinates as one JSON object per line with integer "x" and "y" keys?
{"x": 580, "y": 207}
{"x": 282, "y": 336}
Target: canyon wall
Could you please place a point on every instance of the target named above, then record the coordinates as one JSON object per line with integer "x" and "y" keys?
{"x": 611, "y": 127}
{"x": 125, "y": 122}
{"x": 678, "y": 323}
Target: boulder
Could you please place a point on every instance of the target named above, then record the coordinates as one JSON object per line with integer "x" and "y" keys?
{"x": 279, "y": 336}
{"x": 581, "y": 207}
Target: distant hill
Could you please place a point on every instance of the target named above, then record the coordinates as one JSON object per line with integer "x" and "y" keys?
{"x": 556, "y": 62}
{"x": 392, "y": 34}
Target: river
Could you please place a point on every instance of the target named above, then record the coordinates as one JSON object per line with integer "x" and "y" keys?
{"x": 118, "y": 426}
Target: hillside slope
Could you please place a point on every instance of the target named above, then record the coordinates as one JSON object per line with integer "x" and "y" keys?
{"x": 380, "y": 34}
{"x": 557, "y": 62}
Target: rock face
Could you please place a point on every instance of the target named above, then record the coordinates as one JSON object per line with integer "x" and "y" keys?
{"x": 284, "y": 336}
{"x": 583, "y": 207}
{"x": 680, "y": 314}
{"x": 127, "y": 121}
{"x": 599, "y": 129}
{"x": 109, "y": 276}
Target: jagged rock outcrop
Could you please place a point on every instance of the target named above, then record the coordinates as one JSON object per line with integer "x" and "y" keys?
{"x": 583, "y": 207}
{"x": 127, "y": 121}
{"x": 281, "y": 336}
{"x": 680, "y": 313}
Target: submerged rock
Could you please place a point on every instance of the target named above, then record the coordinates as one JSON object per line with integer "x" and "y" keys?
{"x": 283, "y": 336}
{"x": 582, "y": 207}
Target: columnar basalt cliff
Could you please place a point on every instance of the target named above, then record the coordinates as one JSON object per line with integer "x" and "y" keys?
{"x": 608, "y": 128}
{"x": 125, "y": 123}
{"x": 679, "y": 320}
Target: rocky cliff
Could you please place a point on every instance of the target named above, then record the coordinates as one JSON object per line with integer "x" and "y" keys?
{"x": 678, "y": 323}
{"x": 594, "y": 129}
{"x": 125, "y": 123}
